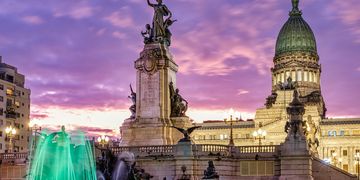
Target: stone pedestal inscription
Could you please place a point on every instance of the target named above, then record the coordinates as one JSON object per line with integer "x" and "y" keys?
{"x": 149, "y": 95}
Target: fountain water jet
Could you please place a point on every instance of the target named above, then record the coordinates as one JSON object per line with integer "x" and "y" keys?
{"x": 58, "y": 156}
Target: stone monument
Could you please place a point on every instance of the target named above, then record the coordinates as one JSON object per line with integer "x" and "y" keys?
{"x": 296, "y": 161}
{"x": 158, "y": 104}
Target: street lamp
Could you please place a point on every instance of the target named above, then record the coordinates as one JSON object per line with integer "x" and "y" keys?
{"x": 259, "y": 135}
{"x": 357, "y": 158}
{"x": 34, "y": 129}
{"x": 103, "y": 140}
{"x": 10, "y": 133}
{"x": 229, "y": 120}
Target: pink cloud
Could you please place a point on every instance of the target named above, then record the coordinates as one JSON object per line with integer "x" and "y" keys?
{"x": 119, "y": 35}
{"x": 348, "y": 12}
{"x": 242, "y": 91}
{"x": 35, "y": 20}
{"x": 79, "y": 12}
{"x": 120, "y": 19}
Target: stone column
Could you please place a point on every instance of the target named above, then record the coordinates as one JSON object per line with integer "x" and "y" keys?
{"x": 296, "y": 161}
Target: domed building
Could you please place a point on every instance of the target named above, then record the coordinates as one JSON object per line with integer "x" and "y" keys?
{"x": 296, "y": 67}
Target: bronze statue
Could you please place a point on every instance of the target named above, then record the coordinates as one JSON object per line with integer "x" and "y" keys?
{"x": 160, "y": 11}
{"x": 133, "y": 106}
{"x": 210, "y": 172}
{"x": 179, "y": 105}
{"x": 186, "y": 133}
{"x": 295, "y": 4}
{"x": 159, "y": 32}
{"x": 147, "y": 34}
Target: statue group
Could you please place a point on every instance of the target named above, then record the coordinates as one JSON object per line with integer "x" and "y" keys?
{"x": 179, "y": 105}
{"x": 159, "y": 31}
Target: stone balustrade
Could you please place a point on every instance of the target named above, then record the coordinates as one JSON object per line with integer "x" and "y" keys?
{"x": 257, "y": 149}
{"x": 13, "y": 156}
{"x": 146, "y": 150}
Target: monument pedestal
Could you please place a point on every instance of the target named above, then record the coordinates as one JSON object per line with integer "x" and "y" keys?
{"x": 152, "y": 123}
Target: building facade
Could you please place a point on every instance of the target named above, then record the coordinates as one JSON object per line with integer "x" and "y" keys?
{"x": 14, "y": 110}
{"x": 296, "y": 66}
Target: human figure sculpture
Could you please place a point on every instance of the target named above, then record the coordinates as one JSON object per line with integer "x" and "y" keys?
{"x": 179, "y": 105}
{"x": 133, "y": 106}
{"x": 210, "y": 172}
{"x": 158, "y": 25}
{"x": 147, "y": 34}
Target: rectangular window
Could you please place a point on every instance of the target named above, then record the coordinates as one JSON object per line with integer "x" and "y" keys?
{"x": 17, "y": 104}
{"x": 1, "y": 111}
{"x": 344, "y": 152}
{"x": 342, "y": 133}
{"x": 0, "y": 146}
{"x": 346, "y": 167}
{"x": 1, "y": 122}
{"x": 9, "y": 92}
{"x": 17, "y": 125}
{"x": 1, "y": 99}
{"x": 1, "y": 87}
{"x": 1, "y": 134}
{"x": 356, "y": 132}
{"x": 221, "y": 137}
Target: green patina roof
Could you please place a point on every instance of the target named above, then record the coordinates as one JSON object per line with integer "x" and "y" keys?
{"x": 295, "y": 35}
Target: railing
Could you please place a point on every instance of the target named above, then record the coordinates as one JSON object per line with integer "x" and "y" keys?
{"x": 13, "y": 156}
{"x": 210, "y": 148}
{"x": 146, "y": 150}
{"x": 257, "y": 149}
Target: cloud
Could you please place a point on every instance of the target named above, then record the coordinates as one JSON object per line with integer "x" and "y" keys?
{"x": 349, "y": 14}
{"x": 35, "y": 20}
{"x": 119, "y": 35}
{"x": 242, "y": 91}
{"x": 120, "y": 19}
{"x": 78, "y": 13}
{"x": 228, "y": 34}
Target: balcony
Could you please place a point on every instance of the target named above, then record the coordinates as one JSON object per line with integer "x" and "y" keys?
{"x": 10, "y": 112}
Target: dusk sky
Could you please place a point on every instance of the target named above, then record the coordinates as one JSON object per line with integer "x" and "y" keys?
{"x": 78, "y": 55}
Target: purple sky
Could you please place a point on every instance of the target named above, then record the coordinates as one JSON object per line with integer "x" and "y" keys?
{"x": 78, "y": 55}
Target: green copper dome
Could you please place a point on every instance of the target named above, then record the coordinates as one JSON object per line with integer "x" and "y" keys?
{"x": 295, "y": 35}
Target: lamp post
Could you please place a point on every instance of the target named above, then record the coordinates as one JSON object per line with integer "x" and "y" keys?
{"x": 103, "y": 140}
{"x": 259, "y": 135}
{"x": 229, "y": 119}
{"x": 10, "y": 133}
{"x": 357, "y": 158}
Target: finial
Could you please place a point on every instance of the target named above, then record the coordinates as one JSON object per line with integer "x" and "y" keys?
{"x": 295, "y": 8}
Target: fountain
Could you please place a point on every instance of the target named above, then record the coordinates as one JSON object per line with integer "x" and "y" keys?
{"x": 59, "y": 156}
